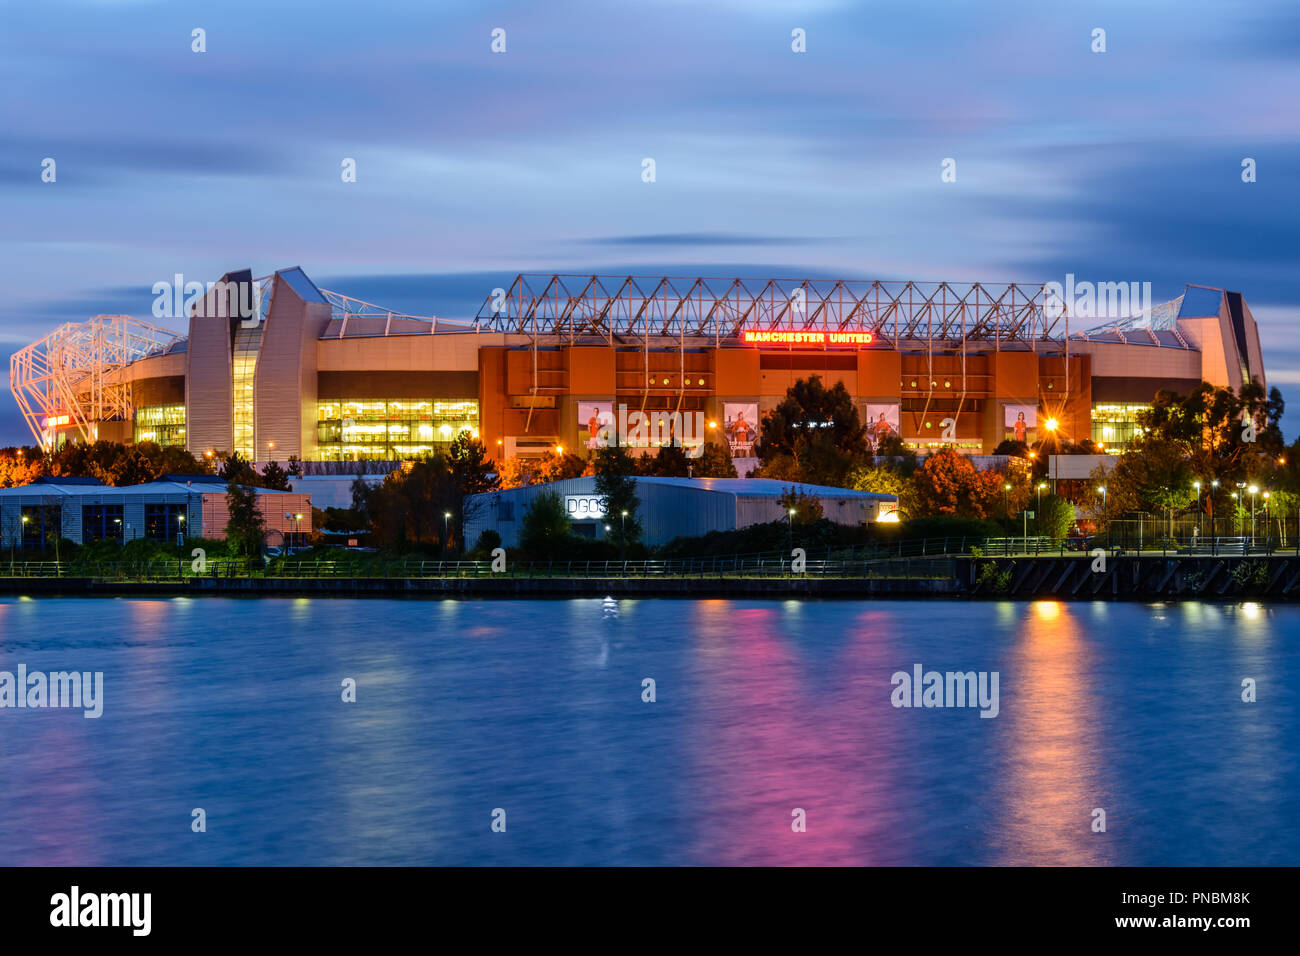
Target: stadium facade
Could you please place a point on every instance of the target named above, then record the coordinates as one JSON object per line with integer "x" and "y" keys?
{"x": 275, "y": 367}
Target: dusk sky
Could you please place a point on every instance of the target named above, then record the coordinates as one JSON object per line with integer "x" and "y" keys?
{"x": 473, "y": 165}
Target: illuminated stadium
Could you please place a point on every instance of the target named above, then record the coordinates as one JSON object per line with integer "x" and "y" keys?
{"x": 275, "y": 367}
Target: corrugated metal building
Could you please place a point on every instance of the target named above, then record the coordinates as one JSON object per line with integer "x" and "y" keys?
{"x": 84, "y": 510}
{"x": 671, "y": 507}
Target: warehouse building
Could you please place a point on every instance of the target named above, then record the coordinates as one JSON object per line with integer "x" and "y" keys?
{"x": 672, "y": 507}
{"x": 275, "y": 367}
{"x": 181, "y": 506}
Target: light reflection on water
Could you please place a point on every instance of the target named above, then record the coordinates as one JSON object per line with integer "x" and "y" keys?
{"x": 762, "y": 708}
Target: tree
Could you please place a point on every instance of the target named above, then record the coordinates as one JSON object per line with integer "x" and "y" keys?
{"x": 670, "y": 462}
{"x": 559, "y": 467}
{"x": 949, "y": 484}
{"x": 807, "y": 508}
{"x": 617, "y": 488}
{"x": 246, "y": 528}
{"x": 132, "y": 468}
{"x": 519, "y": 472}
{"x": 275, "y": 477}
{"x": 544, "y": 527}
{"x": 1158, "y": 477}
{"x": 887, "y": 479}
{"x": 239, "y": 470}
{"x": 715, "y": 461}
{"x": 472, "y": 473}
{"x": 810, "y": 417}
{"x": 1055, "y": 517}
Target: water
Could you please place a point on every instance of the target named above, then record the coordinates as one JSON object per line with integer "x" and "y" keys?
{"x": 535, "y": 707}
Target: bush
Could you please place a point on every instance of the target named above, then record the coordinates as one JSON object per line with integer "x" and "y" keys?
{"x": 944, "y": 526}
{"x": 487, "y": 542}
{"x": 545, "y": 528}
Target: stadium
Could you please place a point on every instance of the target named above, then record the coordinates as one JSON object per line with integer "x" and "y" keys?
{"x": 275, "y": 367}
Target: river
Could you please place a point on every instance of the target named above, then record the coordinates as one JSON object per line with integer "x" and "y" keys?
{"x": 773, "y": 736}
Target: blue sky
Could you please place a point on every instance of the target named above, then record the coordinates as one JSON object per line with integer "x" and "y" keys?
{"x": 472, "y": 165}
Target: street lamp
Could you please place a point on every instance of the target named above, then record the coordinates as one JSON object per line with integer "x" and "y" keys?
{"x": 1197, "y": 486}
{"x": 1006, "y": 503}
{"x": 1266, "y": 528}
{"x": 446, "y": 529}
{"x": 1254, "y": 490}
{"x": 1213, "y": 485}
{"x": 789, "y": 522}
{"x": 622, "y": 536}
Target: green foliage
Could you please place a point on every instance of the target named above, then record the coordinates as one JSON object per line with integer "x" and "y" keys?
{"x": 275, "y": 477}
{"x": 715, "y": 461}
{"x": 487, "y": 542}
{"x": 807, "y": 508}
{"x": 615, "y": 484}
{"x": 1055, "y": 517}
{"x": 989, "y": 578}
{"x": 545, "y": 527}
{"x": 246, "y": 528}
{"x": 670, "y": 462}
{"x": 1250, "y": 575}
{"x": 815, "y": 435}
{"x": 238, "y": 470}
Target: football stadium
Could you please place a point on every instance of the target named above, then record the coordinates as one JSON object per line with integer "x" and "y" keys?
{"x": 275, "y": 367}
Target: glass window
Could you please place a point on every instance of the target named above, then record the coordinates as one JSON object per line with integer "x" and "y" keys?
{"x": 163, "y": 522}
{"x": 162, "y": 424}
{"x": 391, "y": 430}
{"x": 101, "y": 523}
{"x": 42, "y": 525}
{"x": 1115, "y": 426}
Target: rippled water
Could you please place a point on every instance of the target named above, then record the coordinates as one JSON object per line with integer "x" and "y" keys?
{"x": 536, "y": 707}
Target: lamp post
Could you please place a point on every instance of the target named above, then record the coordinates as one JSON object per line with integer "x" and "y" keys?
{"x": 1254, "y": 490}
{"x": 446, "y": 530}
{"x": 789, "y": 523}
{"x": 622, "y": 537}
{"x": 1240, "y": 495}
{"x": 1197, "y": 486}
{"x": 1213, "y": 485}
{"x": 1102, "y": 489}
{"x": 1006, "y": 501}
{"x": 1267, "y": 530}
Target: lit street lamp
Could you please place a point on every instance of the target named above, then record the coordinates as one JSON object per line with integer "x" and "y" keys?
{"x": 790, "y": 526}
{"x": 1197, "y": 486}
{"x": 446, "y": 529}
{"x": 1254, "y": 490}
{"x": 1006, "y": 503}
{"x": 1213, "y": 485}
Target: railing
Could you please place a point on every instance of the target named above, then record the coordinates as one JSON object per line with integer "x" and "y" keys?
{"x": 927, "y": 557}
{"x": 774, "y": 565}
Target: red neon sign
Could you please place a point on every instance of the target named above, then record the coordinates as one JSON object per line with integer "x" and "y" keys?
{"x": 804, "y": 337}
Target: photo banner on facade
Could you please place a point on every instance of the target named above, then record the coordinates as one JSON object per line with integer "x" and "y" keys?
{"x": 740, "y": 423}
{"x": 595, "y": 424}
{"x": 1021, "y": 422}
{"x": 882, "y": 422}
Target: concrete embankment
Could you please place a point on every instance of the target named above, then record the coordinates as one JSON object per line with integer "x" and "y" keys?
{"x": 1145, "y": 577}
